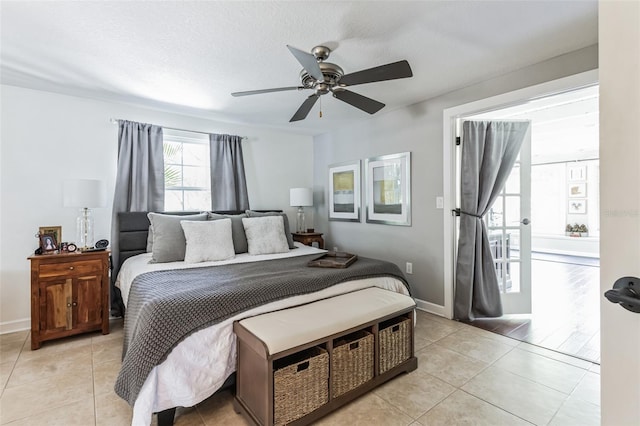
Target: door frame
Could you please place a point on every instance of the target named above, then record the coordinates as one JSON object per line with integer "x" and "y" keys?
{"x": 450, "y": 131}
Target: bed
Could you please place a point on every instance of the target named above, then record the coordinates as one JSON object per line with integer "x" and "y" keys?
{"x": 192, "y": 365}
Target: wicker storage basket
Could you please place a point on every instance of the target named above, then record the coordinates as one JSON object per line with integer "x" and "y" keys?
{"x": 300, "y": 384}
{"x": 395, "y": 342}
{"x": 351, "y": 362}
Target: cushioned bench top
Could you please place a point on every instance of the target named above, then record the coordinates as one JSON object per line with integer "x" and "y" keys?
{"x": 288, "y": 328}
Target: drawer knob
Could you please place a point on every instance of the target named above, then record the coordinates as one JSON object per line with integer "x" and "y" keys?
{"x": 75, "y": 303}
{"x": 68, "y": 305}
{"x": 71, "y": 268}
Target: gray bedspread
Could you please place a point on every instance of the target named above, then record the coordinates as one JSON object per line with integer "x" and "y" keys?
{"x": 165, "y": 307}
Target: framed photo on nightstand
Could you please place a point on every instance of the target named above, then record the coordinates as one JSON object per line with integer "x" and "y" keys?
{"x": 55, "y": 231}
{"x": 48, "y": 243}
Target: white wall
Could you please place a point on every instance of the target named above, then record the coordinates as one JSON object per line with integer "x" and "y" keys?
{"x": 418, "y": 129}
{"x": 48, "y": 137}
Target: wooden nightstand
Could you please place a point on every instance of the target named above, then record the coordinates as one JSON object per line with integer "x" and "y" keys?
{"x": 69, "y": 295}
{"x": 308, "y": 238}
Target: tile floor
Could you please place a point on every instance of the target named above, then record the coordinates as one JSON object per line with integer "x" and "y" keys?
{"x": 465, "y": 376}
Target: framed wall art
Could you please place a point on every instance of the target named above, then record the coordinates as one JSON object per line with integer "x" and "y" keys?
{"x": 344, "y": 191}
{"x": 577, "y": 173}
{"x": 388, "y": 189}
{"x": 578, "y": 190}
{"x": 577, "y": 206}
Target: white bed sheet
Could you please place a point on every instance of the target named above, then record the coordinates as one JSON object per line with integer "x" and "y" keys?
{"x": 201, "y": 363}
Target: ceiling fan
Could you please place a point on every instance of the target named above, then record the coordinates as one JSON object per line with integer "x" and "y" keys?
{"x": 324, "y": 77}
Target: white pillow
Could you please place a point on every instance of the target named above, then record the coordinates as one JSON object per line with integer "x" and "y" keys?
{"x": 265, "y": 235}
{"x": 208, "y": 240}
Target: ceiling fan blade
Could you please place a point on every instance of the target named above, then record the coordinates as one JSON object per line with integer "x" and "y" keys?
{"x": 257, "y": 92}
{"x": 308, "y": 62}
{"x": 366, "y": 104}
{"x": 393, "y": 71}
{"x": 304, "y": 109}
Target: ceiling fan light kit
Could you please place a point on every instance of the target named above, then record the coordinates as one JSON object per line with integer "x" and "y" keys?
{"x": 324, "y": 77}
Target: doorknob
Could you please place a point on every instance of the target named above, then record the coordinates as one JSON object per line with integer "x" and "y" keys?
{"x": 625, "y": 292}
{"x": 525, "y": 221}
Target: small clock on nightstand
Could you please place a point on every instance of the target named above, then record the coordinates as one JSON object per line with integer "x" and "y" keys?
{"x": 308, "y": 238}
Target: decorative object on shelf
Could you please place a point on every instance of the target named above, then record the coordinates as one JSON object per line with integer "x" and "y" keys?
{"x": 577, "y": 206}
{"x": 85, "y": 194}
{"x": 344, "y": 191}
{"x": 388, "y": 189}
{"x": 300, "y": 198}
{"x": 578, "y": 190}
{"x": 576, "y": 230}
{"x": 102, "y": 244}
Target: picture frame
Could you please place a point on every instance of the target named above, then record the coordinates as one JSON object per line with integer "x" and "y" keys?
{"x": 577, "y": 173}
{"x": 388, "y": 189}
{"x": 344, "y": 191}
{"x": 56, "y": 231}
{"x": 577, "y": 206}
{"x": 577, "y": 190}
{"x": 48, "y": 243}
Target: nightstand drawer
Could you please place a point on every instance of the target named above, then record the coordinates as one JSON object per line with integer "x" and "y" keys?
{"x": 70, "y": 268}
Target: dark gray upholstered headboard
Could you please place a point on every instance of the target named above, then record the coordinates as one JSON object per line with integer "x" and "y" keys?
{"x": 134, "y": 228}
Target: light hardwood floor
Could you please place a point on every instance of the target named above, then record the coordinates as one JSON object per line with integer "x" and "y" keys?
{"x": 566, "y": 308}
{"x": 465, "y": 376}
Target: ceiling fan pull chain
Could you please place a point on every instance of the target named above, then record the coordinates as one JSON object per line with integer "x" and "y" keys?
{"x": 320, "y": 106}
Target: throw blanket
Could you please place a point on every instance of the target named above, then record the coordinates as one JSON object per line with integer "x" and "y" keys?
{"x": 165, "y": 307}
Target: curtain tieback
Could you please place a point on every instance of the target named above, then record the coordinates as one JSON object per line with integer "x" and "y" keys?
{"x": 469, "y": 214}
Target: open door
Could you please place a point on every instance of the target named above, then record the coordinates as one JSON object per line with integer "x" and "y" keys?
{"x": 509, "y": 226}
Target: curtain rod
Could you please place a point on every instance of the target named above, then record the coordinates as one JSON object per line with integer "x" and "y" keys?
{"x": 115, "y": 121}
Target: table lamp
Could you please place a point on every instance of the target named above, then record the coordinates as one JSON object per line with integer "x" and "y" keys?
{"x": 85, "y": 194}
{"x": 300, "y": 198}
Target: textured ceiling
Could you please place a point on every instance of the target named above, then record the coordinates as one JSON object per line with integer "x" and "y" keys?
{"x": 188, "y": 57}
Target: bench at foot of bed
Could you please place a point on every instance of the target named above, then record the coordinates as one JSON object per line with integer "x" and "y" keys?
{"x": 299, "y": 364}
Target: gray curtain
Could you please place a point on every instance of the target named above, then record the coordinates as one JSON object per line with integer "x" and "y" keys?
{"x": 228, "y": 183}
{"x": 489, "y": 150}
{"x": 139, "y": 182}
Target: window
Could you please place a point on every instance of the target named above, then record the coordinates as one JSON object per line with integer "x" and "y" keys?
{"x": 187, "y": 171}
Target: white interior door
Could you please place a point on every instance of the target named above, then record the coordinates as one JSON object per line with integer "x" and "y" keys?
{"x": 619, "y": 53}
{"x": 509, "y": 225}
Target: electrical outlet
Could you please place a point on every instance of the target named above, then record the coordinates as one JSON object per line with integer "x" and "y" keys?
{"x": 439, "y": 202}
{"x": 335, "y": 248}
{"x": 409, "y": 268}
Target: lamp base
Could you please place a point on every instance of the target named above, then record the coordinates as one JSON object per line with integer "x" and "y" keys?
{"x": 84, "y": 227}
{"x": 300, "y": 226}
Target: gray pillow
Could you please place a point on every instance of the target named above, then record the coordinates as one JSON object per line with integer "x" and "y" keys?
{"x": 240, "y": 244}
{"x": 287, "y": 231}
{"x": 150, "y": 240}
{"x": 265, "y": 235}
{"x": 169, "y": 243}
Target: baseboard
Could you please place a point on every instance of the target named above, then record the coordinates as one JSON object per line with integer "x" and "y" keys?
{"x": 16, "y": 325}
{"x": 432, "y": 308}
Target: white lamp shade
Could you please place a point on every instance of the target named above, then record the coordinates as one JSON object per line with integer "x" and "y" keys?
{"x": 300, "y": 197}
{"x": 83, "y": 193}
